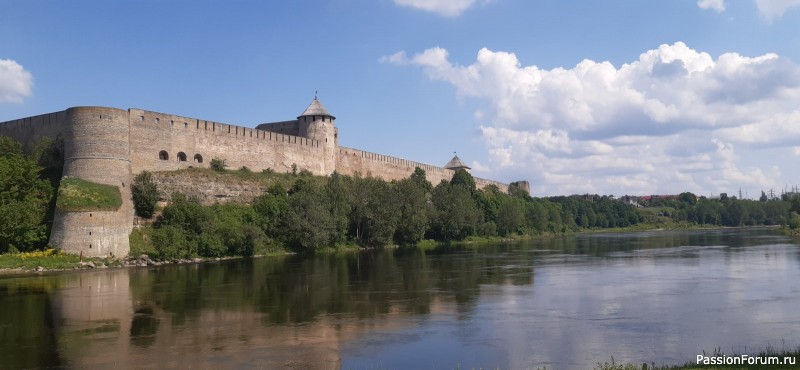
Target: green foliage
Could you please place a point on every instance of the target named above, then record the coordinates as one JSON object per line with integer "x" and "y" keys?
{"x": 141, "y": 243}
{"x": 171, "y": 243}
{"x": 414, "y": 210}
{"x": 308, "y": 223}
{"x": 9, "y": 147}
{"x": 318, "y": 213}
{"x": 24, "y": 200}
{"x": 794, "y": 222}
{"x": 48, "y": 259}
{"x": 727, "y": 211}
{"x": 270, "y": 208}
{"x": 340, "y": 196}
{"x": 211, "y": 245}
{"x": 510, "y": 216}
{"x": 456, "y": 214}
{"x": 49, "y": 153}
{"x": 218, "y": 164}
{"x": 374, "y": 216}
{"x": 75, "y": 194}
{"x": 463, "y": 178}
{"x": 687, "y": 198}
{"x": 420, "y": 178}
{"x": 145, "y": 194}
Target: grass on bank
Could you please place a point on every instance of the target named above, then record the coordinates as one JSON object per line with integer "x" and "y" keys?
{"x": 692, "y": 365}
{"x": 49, "y": 259}
{"x": 76, "y": 194}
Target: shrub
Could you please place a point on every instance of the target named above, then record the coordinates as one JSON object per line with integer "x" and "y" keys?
{"x": 145, "y": 194}
{"x": 218, "y": 164}
{"x": 211, "y": 245}
{"x": 794, "y": 222}
{"x": 140, "y": 242}
{"x": 170, "y": 242}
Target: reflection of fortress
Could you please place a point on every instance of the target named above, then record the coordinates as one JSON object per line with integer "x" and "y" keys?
{"x": 109, "y": 145}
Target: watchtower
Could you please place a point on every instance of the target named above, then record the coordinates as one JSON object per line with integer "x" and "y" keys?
{"x": 316, "y": 123}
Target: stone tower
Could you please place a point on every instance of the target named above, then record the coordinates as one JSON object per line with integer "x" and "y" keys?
{"x": 316, "y": 123}
{"x": 96, "y": 149}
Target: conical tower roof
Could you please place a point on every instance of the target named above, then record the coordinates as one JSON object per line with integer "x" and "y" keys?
{"x": 316, "y": 109}
{"x": 456, "y": 164}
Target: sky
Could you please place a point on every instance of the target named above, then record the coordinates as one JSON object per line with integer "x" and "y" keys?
{"x": 605, "y": 97}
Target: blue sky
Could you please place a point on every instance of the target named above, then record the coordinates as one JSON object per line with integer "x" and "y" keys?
{"x": 608, "y": 97}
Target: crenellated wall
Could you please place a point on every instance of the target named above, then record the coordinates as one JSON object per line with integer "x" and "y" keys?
{"x": 109, "y": 146}
{"x": 199, "y": 141}
{"x": 351, "y": 161}
{"x": 30, "y": 131}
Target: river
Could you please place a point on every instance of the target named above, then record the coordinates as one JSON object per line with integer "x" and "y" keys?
{"x": 563, "y": 303}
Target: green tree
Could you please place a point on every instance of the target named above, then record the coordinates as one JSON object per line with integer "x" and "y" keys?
{"x": 270, "y": 208}
{"x": 307, "y": 223}
{"x": 456, "y": 214}
{"x": 412, "y": 204}
{"x": 374, "y": 216}
{"x": 24, "y": 200}
{"x": 145, "y": 194}
{"x": 510, "y": 216}
{"x": 688, "y": 198}
{"x": 340, "y": 195}
{"x": 420, "y": 178}
{"x": 463, "y": 178}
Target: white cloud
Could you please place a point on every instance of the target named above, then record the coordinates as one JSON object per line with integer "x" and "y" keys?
{"x": 16, "y": 83}
{"x": 396, "y": 58}
{"x": 716, "y": 5}
{"x": 447, "y": 8}
{"x": 772, "y": 9}
{"x": 675, "y": 119}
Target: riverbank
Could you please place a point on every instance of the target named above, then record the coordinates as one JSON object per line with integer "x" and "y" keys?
{"x": 143, "y": 253}
{"x": 769, "y": 359}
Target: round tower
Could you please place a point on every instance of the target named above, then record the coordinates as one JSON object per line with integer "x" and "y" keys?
{"x": 316, "y": 123}
{"x": 96, "y": 149}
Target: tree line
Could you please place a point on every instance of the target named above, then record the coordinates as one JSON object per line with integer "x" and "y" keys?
{"x": 730, "y": 211}
{"x": 321, "y": 212}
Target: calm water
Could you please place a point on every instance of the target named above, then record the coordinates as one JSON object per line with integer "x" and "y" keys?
{"x": 565, "y": 304}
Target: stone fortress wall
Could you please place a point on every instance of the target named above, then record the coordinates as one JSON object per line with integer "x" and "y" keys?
{"x": 110, "y": 146}
{"x": 164, "y": 142}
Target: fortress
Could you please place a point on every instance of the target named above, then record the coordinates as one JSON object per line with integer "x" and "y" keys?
{"x": 110, "y": 146}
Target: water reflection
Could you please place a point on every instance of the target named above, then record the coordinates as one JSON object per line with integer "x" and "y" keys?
{"x": 563, "y": 303}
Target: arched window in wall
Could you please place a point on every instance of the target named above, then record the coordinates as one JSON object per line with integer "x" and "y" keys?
{"x": 198, "y": 158}
{"x": 163, "y": 155}
{"x": 181, "y": 156}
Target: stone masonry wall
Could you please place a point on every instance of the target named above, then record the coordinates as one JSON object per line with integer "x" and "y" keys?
{"x": 29, "y": 131}
{"x": 199, "y": 141}
{"x": 351, "y": 161}
{"x": 96, "y": 148}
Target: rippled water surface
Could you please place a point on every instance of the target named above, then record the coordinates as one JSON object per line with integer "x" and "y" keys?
{"x": 563, "y": 303}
